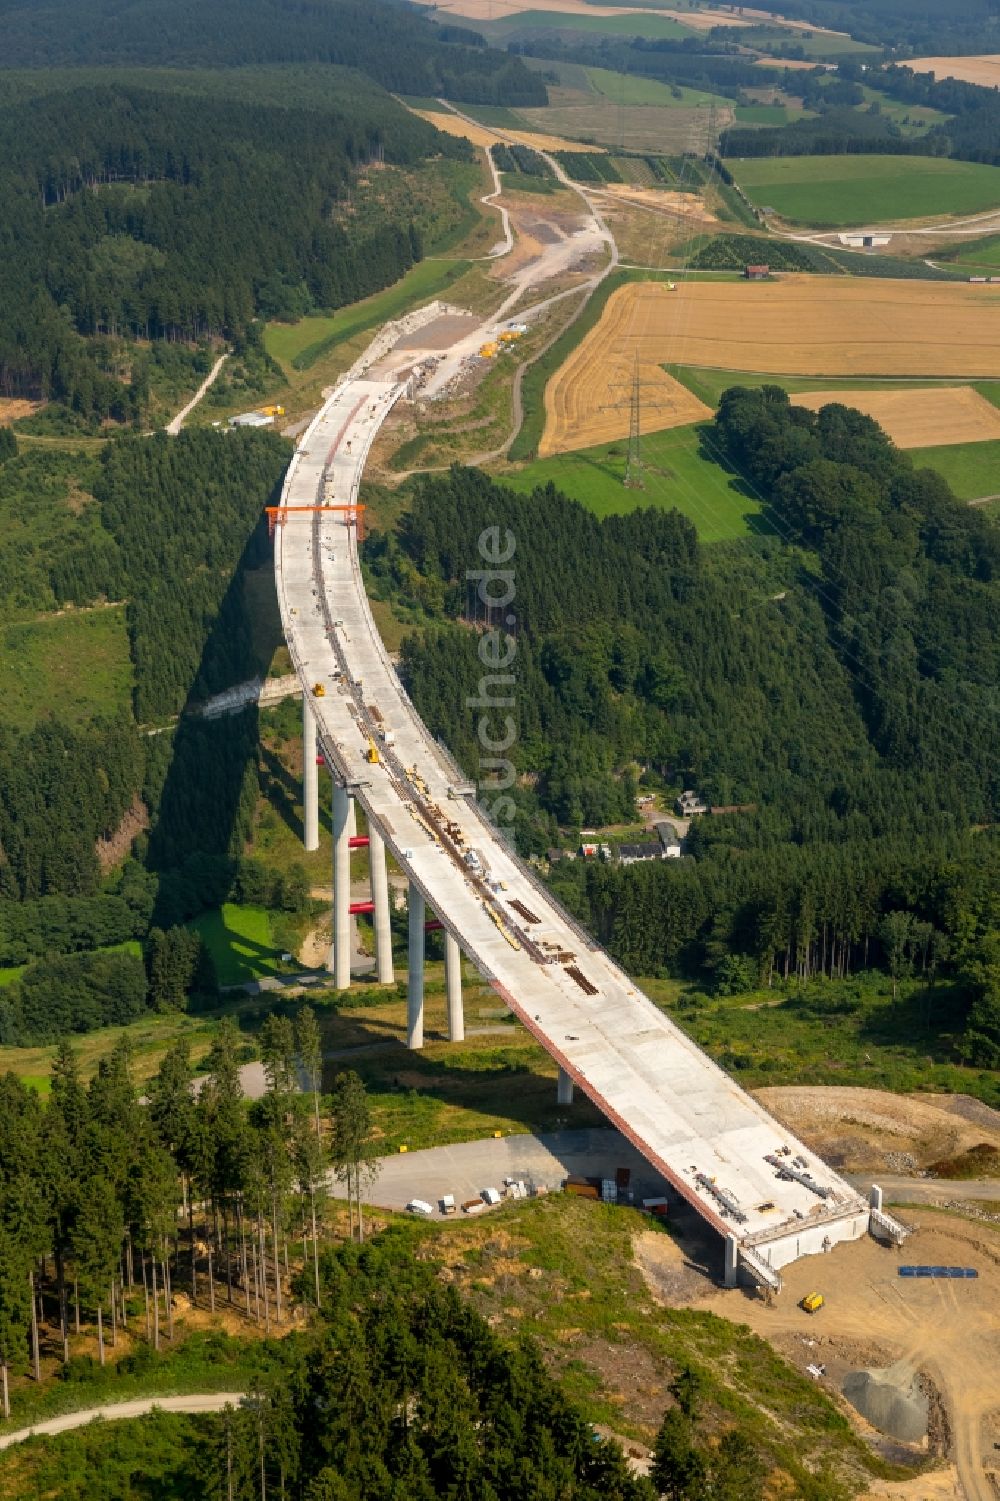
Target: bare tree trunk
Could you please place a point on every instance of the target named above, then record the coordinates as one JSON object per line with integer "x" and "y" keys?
{"x": 156, "y": 1304}
{"x": 211, "y": 1281}
{"x": 76, "y": 1304}
{"x": 6, "y": 1389}
{"x": 194, "y": 1254}
{"x": 277, "y": 1264}
{"x": 63, "y": 1305}
{"x": 100, "y": 1332}
{"x": 114, "y": 1317}
{"x": 263, "y": 1276}
{"x": 145, "y": 1294}
{"x": 243, "y": 1259}
{"x": 35, "y": 1355}
{"x": 229, "y": 1259}
{"x": 312, "y": 1196}
{"x": 256, "y": 1276}
{"x": 167, "y": 1293}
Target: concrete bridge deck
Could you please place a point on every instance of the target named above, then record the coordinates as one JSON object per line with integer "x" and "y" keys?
{"x": 687, "y": 1118}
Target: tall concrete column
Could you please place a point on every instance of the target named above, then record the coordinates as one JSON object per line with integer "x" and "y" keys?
{"x": 453, "y": 986}
{"x": 415, "y": 977}
{"x": 380, "y": 896}
{"x": 310, "y": 779}
{"x": 564, "y": 1089}
{"x": 352, "y": 819}
{"x": 340, "y": 954}
{"x": 875, "y": 1198}
{"x": 732, "y": 1262}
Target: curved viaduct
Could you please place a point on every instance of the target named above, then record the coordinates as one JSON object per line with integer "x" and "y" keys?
{"x": 745, "y": 1174}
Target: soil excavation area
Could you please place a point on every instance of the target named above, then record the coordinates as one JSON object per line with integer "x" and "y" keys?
{"x": 923, "y": 418}
{"x": 800, "y": 325}
{"x": 943, "y": 1335}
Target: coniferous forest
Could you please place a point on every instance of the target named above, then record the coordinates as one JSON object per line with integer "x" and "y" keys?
{"x": 832, "y": 681}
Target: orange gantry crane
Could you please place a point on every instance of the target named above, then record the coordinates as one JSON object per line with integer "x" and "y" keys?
{"x": 278, "y": 515}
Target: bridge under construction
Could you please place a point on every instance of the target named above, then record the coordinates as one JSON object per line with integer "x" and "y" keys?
{"x": 767, "y": 1195}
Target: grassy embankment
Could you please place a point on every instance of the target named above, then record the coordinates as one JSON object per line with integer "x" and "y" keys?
{"x": 834, "y": 191}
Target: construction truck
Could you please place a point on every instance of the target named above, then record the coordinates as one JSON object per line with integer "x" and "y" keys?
{"x": 812, "y": 1302}
{"x": 371, "y": 754}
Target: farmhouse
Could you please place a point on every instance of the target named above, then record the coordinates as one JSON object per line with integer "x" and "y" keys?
{"x": 636, "y": 854}
{"x": 689, "y": 804}
{"x": 756, "y": 273}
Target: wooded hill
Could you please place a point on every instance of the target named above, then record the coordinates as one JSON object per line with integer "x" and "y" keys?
{"x": 394, "y": 44}
{"x": 128, "y": 213}
{"x": 836, "y": 676}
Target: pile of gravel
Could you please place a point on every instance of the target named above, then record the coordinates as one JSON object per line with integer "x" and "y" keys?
{"x": 891, "y": 1401}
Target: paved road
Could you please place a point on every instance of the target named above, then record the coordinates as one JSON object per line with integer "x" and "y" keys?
{"x": 176, "y": 423}
{"x": 197, "y": 1402}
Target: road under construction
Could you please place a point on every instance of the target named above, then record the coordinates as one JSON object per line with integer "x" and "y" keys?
{"x": 765, "y": 1193}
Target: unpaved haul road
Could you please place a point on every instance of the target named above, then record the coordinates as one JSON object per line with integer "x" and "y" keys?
{"x": 198, "y": 1402}
{"x": 176, "y": 423}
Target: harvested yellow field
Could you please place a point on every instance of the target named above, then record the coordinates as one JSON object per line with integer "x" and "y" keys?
{"x": 499, "y": 10}
{"x": 588, "y": 400}
{"x": 481, "y": 135}
{"x": 983, "y": 69}
{"x": 924, "y": 418}
{"x": 798, "y": 325}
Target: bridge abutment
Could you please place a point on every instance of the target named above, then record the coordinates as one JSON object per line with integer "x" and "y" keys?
{"x": 564, "y": 1089}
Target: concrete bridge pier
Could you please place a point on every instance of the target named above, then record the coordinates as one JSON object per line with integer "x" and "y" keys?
{"x": 310, "y": 780}
{"x": 453, "y": 986}
{"x": 415, "y": 975}
{"x": 380, "y": 896}
{"x": 339, "y": 962}
{"x": 564, "y": 1089}
{"x": 732, "y": 1262}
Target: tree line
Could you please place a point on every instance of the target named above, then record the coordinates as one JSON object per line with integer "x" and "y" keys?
{"x": 399, "y": 47}
{"x": 398, "y": 1387}
{"x": 106, "y": 1203}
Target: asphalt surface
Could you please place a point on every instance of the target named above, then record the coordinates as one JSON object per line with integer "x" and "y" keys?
{"x": 464, "y": 1170}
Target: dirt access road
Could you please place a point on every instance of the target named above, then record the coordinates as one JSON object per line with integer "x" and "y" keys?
{"x": 115, "y": 1411}
{"x": 873, "y": 1318}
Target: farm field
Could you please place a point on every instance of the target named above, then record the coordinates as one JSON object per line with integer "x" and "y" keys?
{"x": 926, "y": 417}
{"x": 588, "y": 401}
{"x": 664, "y": 130}
{"x": 979, "y": 255}
{"x": 830, "y": 191}
{"x": 971, "y": 469}
{"x": 78, "y": 659}
{"x": 709, "y": 384}
{"x": 628, "y": 89}
{"x": 983, "y": 69}
{"x": 645, "y": 23}
{"x": 482, "y": 135}
{"x": 678, "y": 475}
{"x": 798, "y": 326}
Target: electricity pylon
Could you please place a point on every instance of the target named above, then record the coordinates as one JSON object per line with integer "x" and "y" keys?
{"x": 633, "y": 464}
